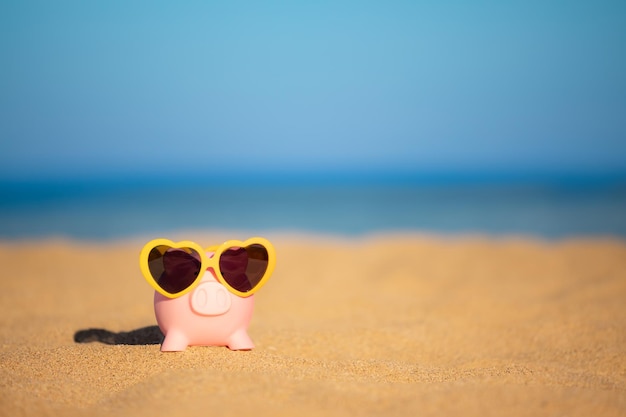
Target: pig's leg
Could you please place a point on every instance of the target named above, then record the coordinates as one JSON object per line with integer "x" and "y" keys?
{"x": 174, "y": 341}
{"x": 240, "y": 341}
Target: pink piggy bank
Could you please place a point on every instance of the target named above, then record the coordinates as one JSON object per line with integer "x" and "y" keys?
{"x": 206, "y": 297}
{"x": 210, "y": 315}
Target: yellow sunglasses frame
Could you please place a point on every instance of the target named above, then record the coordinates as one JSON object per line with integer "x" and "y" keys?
{"x": 207, "y": 262}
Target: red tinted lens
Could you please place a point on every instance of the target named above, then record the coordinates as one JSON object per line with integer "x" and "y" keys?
{"x": 174, "y": 269}
{"x": 243, "y": 268}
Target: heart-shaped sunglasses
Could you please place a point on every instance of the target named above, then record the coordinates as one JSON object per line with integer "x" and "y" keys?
{"x": 175, "y": 268}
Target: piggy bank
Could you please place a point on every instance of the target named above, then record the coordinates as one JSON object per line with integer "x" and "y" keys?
{"x": 209, "y": 315}
{"x": 206, "y": 297}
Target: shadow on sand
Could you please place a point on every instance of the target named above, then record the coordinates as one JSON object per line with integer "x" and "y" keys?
{"x": 150, "y": 335}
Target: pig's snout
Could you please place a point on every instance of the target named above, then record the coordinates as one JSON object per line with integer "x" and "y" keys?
{"x": 210, "y": 299}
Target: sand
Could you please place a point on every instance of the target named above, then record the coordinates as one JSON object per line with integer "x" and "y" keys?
{"x": 378, "y": 325}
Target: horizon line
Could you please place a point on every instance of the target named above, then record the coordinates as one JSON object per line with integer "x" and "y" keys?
{"x": 327, "y": 177}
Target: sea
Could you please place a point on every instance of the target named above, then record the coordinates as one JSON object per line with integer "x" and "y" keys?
{"x": 550, "y": 208}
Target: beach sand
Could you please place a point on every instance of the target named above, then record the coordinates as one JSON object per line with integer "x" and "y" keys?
{"x": 378, "y": 325}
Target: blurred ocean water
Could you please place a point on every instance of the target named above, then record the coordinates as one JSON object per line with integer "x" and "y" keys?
{"x": 104, "y": 210}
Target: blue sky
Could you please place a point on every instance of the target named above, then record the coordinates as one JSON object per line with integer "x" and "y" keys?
{"x": 132, "y": 88}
